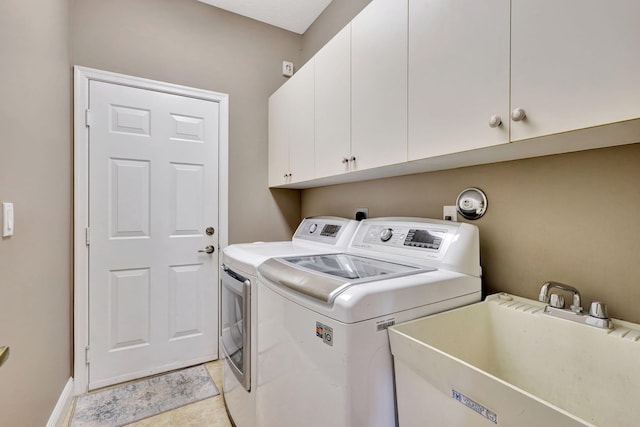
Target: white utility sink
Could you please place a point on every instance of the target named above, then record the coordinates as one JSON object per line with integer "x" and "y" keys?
{"x": 505, "y": 362}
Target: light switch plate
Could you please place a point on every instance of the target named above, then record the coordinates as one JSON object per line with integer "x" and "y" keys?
{"x": 7, "y": 219}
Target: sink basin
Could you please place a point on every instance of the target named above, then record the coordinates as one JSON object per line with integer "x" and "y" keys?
{"x": 505, "y": 362}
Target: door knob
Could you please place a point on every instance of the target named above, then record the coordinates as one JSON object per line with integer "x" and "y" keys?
{"x": 208, "y": 249}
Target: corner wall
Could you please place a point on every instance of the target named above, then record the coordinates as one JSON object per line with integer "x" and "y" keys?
{"x": 571, "y": 218}
{"x": 191, "y": 43}
{"x": 35, "y": 174}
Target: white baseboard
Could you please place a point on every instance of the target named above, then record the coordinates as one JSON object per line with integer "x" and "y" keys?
{"x": 62, "y": 407}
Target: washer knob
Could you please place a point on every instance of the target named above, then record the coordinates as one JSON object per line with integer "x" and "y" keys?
{"x": 386, "y": 234}
{"x": 313, "y": 228}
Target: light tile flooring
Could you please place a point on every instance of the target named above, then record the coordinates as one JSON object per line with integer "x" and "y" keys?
{"x": 205, "y": 413}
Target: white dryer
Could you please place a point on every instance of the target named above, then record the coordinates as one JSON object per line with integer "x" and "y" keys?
{"x": 238, "y": 340}
{"x": 323, "y": 348}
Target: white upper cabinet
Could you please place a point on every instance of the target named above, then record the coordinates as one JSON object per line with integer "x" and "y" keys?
{"x": 279, "y": 137}
{"x": 291, "y": 129}
{"x": 419, "y": 85}
{"x": 574, "y": 64}
{"x": 379, "y": 84}
{"x": 333, "y": 106}
{"x": 301, "y": 127}
{"x": 458, "y": 75}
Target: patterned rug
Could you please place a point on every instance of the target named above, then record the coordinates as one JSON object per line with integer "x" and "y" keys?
{"x": 134, "y": 401}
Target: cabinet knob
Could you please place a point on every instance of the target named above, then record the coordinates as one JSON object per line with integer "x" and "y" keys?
{"x": 518, "y": 114}
{"x": 345, "y": 160}
{"x": 495, "y": 121}
{"x": 352, "y": 159}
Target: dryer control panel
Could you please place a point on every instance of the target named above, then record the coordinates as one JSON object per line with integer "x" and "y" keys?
{"x": 333, "y": 231}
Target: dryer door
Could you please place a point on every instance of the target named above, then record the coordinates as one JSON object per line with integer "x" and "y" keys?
{"x": 236, "y": 322}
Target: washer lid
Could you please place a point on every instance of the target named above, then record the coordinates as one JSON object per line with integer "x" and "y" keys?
{"x": 325, "y": 276}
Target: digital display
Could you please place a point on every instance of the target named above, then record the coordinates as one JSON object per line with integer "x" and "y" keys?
{"x": 424, "y": 239}
{"x": 330, "y": 230}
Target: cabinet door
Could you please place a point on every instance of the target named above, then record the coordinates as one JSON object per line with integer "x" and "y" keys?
{"x": 458, "y": 75}
{"x": 333, "y": 105}
{"x": 379, "y": 84}
{"x": 301, "y": 124}
{"x": 279, "y": 136}
{"x": 574, "y": 64}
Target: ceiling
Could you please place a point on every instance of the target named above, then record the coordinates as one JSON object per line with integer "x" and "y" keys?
{"x": 292, "y": 15}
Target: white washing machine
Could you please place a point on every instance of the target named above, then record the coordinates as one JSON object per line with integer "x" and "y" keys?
{"x": 239, "y": 304}
{"x": 323, "y": 348}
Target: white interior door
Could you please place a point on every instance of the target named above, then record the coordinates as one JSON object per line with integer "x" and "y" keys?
{"x": 153, "y": 191}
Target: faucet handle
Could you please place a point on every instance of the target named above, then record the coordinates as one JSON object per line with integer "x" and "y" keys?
{"x": 598, "y": 310}
{"x": 556, "y": 301}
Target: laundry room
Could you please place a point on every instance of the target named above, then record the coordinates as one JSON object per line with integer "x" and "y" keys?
{"x": 392, "y": 106}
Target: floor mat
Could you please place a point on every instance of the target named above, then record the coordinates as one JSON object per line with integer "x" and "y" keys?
{"x": 137, "y": 400}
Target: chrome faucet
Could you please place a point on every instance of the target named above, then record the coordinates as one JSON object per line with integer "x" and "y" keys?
{"x": 597, "y": 316}
{"x": 576, "y": 305}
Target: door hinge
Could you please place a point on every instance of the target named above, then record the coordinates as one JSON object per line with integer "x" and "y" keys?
{"x": 87, "y": 117}
{"x": 87, "y": 236}
{"x": 86, "y": 354}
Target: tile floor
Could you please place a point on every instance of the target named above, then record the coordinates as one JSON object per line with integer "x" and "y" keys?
{"x": 205, "y": 413}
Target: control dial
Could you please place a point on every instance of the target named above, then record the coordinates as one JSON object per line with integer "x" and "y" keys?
{"x": 313, "y": 228}
{"x": 386, "y": 234}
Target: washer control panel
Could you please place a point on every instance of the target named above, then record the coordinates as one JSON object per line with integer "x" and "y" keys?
{"x": 435, "y": 243}
{"x": 403, "y": 236}
{"x": 425, "y": 238}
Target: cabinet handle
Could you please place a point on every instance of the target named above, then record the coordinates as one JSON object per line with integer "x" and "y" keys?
{"x": 4, "y": 355}
{"x": 495, "y": 121}
{"x": 352, "y": 159}
{"x": 345, "y": 160}
{"x": 518, "y": 114}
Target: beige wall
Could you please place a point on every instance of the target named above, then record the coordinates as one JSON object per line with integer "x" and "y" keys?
{"x": 571, "y": 218}
{"x": 190, "y": 43}
{"x": 338, "y": 14}
{"x": 35, "y": 174}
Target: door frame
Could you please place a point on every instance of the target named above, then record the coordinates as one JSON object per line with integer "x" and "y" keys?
{"x": 81, "y": 120}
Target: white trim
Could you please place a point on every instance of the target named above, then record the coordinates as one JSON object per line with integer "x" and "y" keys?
{"x": 62, "y": 406}
{"x": 82, "y": 77}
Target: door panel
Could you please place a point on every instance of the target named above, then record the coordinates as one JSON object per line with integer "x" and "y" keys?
{"x": 574, "y": 64}
{"x": 379, "y": 84}
{"x": 458, "y": 75}
{"x": 153, "y": 298}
